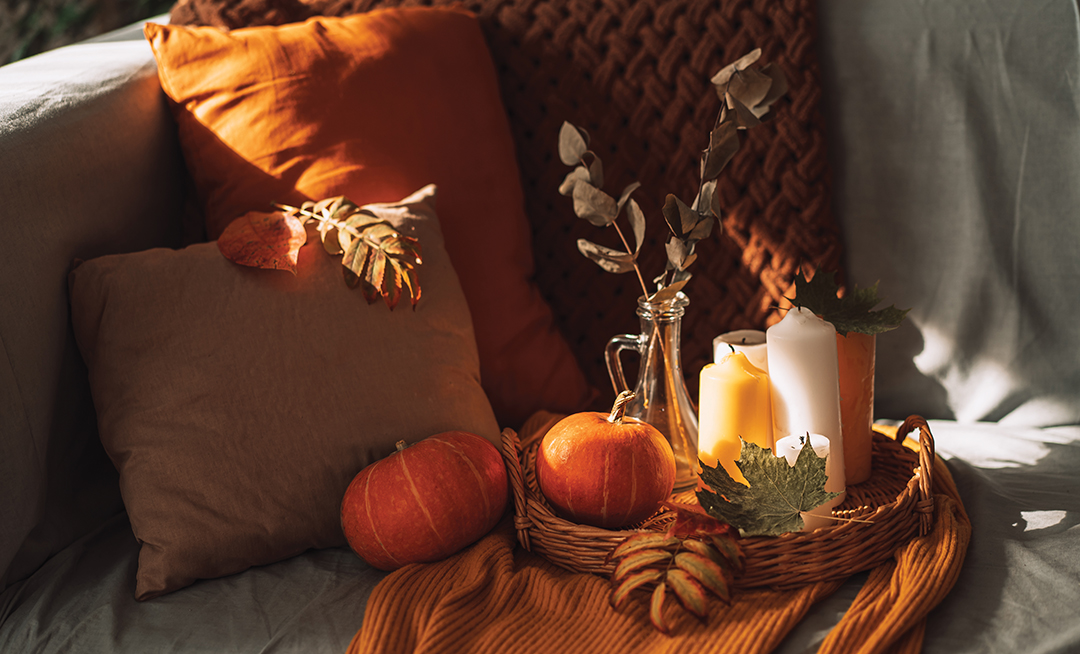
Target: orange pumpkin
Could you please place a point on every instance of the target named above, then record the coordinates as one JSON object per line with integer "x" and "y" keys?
{"x": 425, "y": 501}
{"x": 605, "y": 470}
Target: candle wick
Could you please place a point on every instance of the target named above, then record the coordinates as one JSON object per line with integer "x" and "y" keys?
{"x": 732, "y": 347}
{"x": 743, "y": 341}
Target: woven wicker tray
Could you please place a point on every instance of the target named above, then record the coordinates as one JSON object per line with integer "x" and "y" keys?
{"x": 879, "y": 515}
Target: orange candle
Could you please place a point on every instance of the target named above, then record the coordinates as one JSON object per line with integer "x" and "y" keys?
{"x": 855, "y": 354}
{"x": 734, "y": 402}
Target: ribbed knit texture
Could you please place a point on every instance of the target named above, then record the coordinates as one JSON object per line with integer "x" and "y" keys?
{"x": 495, "y": 597}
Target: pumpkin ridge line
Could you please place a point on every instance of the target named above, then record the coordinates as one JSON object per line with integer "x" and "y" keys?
{"x": 476, "y": 473}
{"x": 419, "y": 501}
{"x": 607, "y": 490}
{"x": 371, "y": 521}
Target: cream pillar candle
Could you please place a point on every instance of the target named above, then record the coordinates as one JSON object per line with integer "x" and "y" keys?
{"x": 733, "y": 403}
{"x": 789, "y": 448}
{"x": 750, "y": 342}
{"x": 804, "y": 380}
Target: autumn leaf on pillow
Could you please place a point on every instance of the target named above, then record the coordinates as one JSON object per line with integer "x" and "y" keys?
{"x": 264, "y": 240}
{"x": 375, "y": 255}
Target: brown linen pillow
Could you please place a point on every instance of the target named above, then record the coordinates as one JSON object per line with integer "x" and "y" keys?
{"x": 238, "y": 403}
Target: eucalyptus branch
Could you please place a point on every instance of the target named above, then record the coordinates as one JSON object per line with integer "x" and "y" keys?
{"x": 746, "y": 94}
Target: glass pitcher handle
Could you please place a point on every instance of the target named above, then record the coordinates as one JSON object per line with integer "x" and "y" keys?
{"x": 614, "y": 364}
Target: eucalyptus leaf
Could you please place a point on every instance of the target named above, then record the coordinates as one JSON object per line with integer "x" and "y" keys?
{"x": 594, "y": 205}
{"x": 778, "y": 88}
{"x": 744, "y": 118}
{"x": 723, "y": 76}
{"x": 637, "y": 223}
{"x": 750, "y": 86}
{"x": 676, "y": 252}
{"x": 669, "y": 292}
{"x": 703, "y": 228}
{"x": 579, "y": 174}
{"x": 680, "y": 218}
{"x": 723, "y": 144}
{"x": 572, "y": 145}
{"x": 596, "y": 172}
{"x": 630, "y": 188}
{"x": 611, "y": 260}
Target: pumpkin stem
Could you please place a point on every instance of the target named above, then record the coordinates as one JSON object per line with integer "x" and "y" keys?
{"x": 619, "y": 408}
{"x": 401, "y": 445}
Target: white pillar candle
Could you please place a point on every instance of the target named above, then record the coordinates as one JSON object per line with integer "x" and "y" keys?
{"x": 789, "y": 448}
{"x": 751, "y": 342}
{"x": 804, "y": 380}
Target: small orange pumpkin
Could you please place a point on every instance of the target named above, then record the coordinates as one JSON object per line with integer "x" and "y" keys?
{"x": 425, "y": 501}
{"x": 609, "y": 471}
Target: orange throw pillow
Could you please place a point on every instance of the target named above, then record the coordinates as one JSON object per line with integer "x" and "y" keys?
{"x": 372, "y": 107}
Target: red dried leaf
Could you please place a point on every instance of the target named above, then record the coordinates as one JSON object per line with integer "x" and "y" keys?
{"x": 264, "y": 240}
{"x": 691, "y": 520}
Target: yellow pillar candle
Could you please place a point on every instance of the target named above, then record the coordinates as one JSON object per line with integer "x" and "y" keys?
{"x": 733, "y": 403}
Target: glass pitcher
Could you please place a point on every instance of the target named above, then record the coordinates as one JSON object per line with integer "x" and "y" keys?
{"x": 662, "y": 399}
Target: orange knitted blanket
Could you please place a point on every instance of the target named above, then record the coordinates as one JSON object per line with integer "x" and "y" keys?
{"x": 496, "y": 597}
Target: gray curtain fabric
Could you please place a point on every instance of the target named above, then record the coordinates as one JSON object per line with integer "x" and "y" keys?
{"x": 955, "y": 137}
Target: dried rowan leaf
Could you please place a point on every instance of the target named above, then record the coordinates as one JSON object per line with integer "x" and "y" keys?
{"x": 656, "y": 608}
{"x": 579, "y": 174}
{"x": 572, "y": 145}
{"x": 331, "y": 238}
{"x": 640, "y": 559}
{"x": 706, "y": 572}
{"x": 688, "y": 591}
{"x": 641, "y": 541}
{"x": 721, "y": 78}
{"x": 729, "y": 549}
{"x": 634, "y": 581}
{"x": 613, "y": 261}
{"x": 594, "y": 205}
{"x": 264, "y": 240}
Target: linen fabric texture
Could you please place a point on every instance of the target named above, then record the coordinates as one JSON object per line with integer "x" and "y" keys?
{"x": 372, "y": 107}
{"x": 238, "y": 403}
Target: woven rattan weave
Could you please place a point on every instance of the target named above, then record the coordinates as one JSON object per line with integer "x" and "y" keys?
{"x": 877, "y": 516}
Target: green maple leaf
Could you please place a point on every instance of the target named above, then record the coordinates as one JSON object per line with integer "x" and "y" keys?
{"x": 778, "y": 493}
{"x": 851, "y": 313}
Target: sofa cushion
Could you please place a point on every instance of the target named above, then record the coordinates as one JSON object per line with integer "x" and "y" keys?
{"x": 238, "y": 403}
{"x": 372, "y": 107}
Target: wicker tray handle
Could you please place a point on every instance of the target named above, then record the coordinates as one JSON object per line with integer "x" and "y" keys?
{"x": 516, "y": 476}
{"x": 925, "y": 506}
